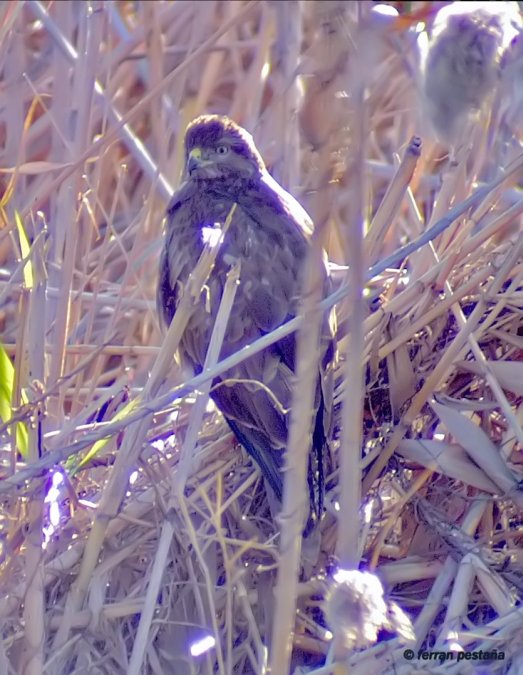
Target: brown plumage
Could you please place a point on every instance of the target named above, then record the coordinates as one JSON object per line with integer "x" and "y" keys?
{"x": 270, "y": 233}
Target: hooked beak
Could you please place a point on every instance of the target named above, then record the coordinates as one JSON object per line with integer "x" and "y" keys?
{"x": 195, "y": 160}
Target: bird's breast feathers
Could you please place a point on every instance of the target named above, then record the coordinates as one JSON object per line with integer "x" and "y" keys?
{"x": 264, "y": 234}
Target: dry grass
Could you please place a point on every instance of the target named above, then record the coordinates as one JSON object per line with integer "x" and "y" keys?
{"x": 430, "y": 384}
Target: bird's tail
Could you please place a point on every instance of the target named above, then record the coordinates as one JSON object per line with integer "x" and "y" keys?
{"x": 268, "y": 459}
{"x": 271, "y": 460}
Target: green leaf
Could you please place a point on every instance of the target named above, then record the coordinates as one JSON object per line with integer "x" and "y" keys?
{"x": 6, "y": 385}
{"x": 25, "y": 250}
{"x": 7, "y": 376}
{"x": 100, "y": 445}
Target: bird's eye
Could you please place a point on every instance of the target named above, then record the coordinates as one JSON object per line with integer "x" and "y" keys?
{"x": 222, "y": 150}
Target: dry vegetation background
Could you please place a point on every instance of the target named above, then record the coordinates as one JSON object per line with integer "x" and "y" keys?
{"x": 95, "y": 97}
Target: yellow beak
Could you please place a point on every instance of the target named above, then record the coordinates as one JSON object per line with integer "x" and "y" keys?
{"x": 194, "y": 160}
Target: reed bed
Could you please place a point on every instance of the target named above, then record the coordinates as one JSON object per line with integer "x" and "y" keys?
{"x": 135, "y": 532}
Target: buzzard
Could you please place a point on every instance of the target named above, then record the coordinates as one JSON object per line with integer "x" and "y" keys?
{"x": 270, "y": 232}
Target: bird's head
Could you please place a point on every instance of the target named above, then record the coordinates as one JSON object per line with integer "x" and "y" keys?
{"x": 217, "y": 148}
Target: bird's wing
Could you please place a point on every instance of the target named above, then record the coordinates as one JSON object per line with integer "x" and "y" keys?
{"x": 278, "y": 212}
{"x": 271, "y": 281}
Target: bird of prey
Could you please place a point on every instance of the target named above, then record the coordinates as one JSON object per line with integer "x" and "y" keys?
{"x": 270, "y": 233}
